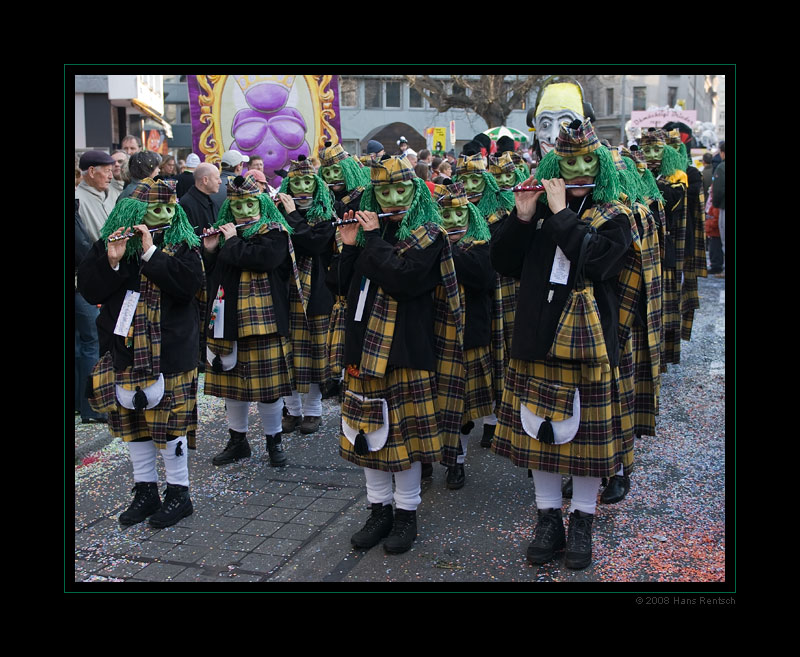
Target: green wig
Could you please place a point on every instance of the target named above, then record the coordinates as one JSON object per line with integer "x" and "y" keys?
{"x": 477, "y": 228}
{"x": 672, "y": 161}
{"x": 269, "y": 214}
{"x": 355, "y": 175}
{"x": 423, "y": 209}
{"x": 607, "y": 187}
{"x": 685, "y": 155}
{"x": 631, "y": 181}
{"x": 321, "y": 207}
{"x": 130, "y": 212}
{"x": 493, "y": 199}
{"x": 650, "y": 187}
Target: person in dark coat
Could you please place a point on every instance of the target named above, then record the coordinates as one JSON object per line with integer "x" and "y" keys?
{"x": 199, "y": 201}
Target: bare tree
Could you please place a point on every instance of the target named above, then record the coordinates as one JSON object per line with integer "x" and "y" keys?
{"x": 492, "y": 97}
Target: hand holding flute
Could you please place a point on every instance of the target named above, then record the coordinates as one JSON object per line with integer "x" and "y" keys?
{"x": 118, "y": 242}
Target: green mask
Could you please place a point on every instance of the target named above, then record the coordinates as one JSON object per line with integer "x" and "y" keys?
{"x": 579, "y": 166}
{"x": 474, "y": 183}
{"x": 303, "y": 185}
{"x": 394, "y": 195}
{"x": 245, "y": 208}
{"x": 504, "y": 179}
{"x": 455, "y": 219}
{"x": 332, "y": 174}
{"x": 159, "y": 214}
{"x": 653, "y": 154}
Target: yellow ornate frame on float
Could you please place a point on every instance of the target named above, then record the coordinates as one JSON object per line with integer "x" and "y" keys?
{"x": 302, "y": 103}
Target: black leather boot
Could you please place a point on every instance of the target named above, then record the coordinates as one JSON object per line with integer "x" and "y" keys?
{"x": 616, "y": 490}
{"x": 579, "y": 540}
{"x": 277, "y": 457}
{"x": 378, "y": 526}
{"x": 426, "y": 470}
{"x": 456, "y": 477}
{"x": 145, "y": 503}
{"x": 177, "y": 504}
{"x": 237, "y": 448}
{"x": 488, "y": 434}
{"x": 403, "y": 534}
{"x": 548, "y": 537}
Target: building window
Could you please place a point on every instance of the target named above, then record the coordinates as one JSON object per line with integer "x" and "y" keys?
{"x": 372, "y": 94}
{"x": 348, "y": 92}
{"x": 393, "y": 94}
{"x": 610, "y": 101}
{"x": 672, "y": 96}
{"x": 639, "y": 98}
{"x": 458, "y": 90}
{"x": 186, "y": 114}
{"x": 415, "y": 99}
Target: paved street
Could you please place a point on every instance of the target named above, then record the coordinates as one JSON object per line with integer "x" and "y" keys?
{"x": 262, "y": 526}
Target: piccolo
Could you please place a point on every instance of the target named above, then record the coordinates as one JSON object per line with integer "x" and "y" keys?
{"x": 134, "y": 233}
{"x": 343, "y": 222}
{"x": 214, "y": 231}
{"x": 540, "y": 188}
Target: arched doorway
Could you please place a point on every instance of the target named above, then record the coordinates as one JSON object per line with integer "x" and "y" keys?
{"x": 389, "y": 134}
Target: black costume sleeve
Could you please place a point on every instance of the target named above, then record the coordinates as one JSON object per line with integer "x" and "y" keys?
{"x": 341, "y": 269}
{"x": 474, "y": 267}
{"x": 509, "y": 245}
{"x": 260, "y": 253}
{"x": 97, "y": 281}
{"x": 310, "y": 240}
{"x": 180, "y": 276}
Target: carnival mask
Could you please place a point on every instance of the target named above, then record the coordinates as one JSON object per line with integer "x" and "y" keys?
{"x": 245, "y": 208}
{"x": 397, "y": 195}
{"x": 579, "y": 166}
{"x": 333, "y": 174}
{"x": 455, "y": 219}
{"x": 505, "y": 180}
{"x": 159, "y": 214}
{"x": 653, "y": 153}
{"x": 474, "y": 183}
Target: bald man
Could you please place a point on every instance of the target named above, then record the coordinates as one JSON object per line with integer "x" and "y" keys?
{"x": 197, "y": 202}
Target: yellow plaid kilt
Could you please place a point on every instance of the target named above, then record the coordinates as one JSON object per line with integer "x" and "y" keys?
{"x": 602, "y": 444}
{"x": 414, "y": 433}
{"x": 309, "y": 338}
{"x": 690, "y": 301}
{"x": 336, "y": 338}
{"x": 175, "y": 415}
{"x": 478, "y": 398}
{"x": 263, "y": 371}
{"x": 671, "y": 317}
{"x": 646, "y": 389}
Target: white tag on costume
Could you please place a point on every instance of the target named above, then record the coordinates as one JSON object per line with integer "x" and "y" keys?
{"x": 560, "y": 271}
{"x": 126, "y": 313}
{"x": 219, "y": 318}
{"x": 362, "y": 298}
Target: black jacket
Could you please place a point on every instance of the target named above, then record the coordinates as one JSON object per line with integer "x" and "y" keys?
{"x": 185, "y": 183}
{"x": 318, "y": 243}
{"x": 200, "y": 208}
{"x": 524, "y": 252}
{"x": 475, "y": 273}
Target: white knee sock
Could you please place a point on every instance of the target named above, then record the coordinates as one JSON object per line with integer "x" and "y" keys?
{"x": 237, "y": 414}
{"x": 462, "y": 457}
{"x": 407, "y": 487}
{"x": 294, "y": 404}
{"x": 379, "y": 486}
{"x": 312, "y": 401}
{"x": 584, "y": 494}
{"x": 271, "y": 415}
{"x": 548, "y": 489}
{"x": 143, "y": 459}
{"x": 490, "y": 419}
{"x": 176, "y": 461}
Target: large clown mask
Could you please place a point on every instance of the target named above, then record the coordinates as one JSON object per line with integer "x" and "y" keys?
{"x": 394, "y": 196}
{"x": 303, "y": 188}
{"x": 579, "y": 170}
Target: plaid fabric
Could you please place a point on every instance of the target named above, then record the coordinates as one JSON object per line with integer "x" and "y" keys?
{"x": 256, "y": 314}
{"x": 249, "y": 187}
{"x": 330, "y": 155}
{"x": 576, "y": 141}
{"x": 414, "y": 433}
{"x": 478, "y": 385}
{"x": 629, "y": 282}
{"x": 503, "y": 164}
{"x": 301, "y": 168}
{"x": 598, "y": 449}
{"x": 470, "y": 164}
{"x": 451, "y": 196}
{"x": 336, "y": 331}
{"x": 647, "y": 387}
{"x": 391, "y": 170}
{"x": 309, "y": 340}
{"x": 673, "y": 137}
{"x": 155, "y": 191}
{"x": 651, "y": 287}
{"x": 579, "y": 334}
{"x": 504, "y": 308}
{"x": 263, "y": 371}
{"x": 175, "y": 415}
{"x": 652, "y": 136}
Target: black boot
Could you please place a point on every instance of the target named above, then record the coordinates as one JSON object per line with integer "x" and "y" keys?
{"x": 403, "y": 534}
{"x": 616, "y": 490}
{"x": 177, "y": 504}
{"x": 378, "y": 526}
{"x": 467, "y": 427}
{"x": 579, "y": 540}
{"x": 145, "y": 503}
{"x": 566, "y": 489}
{"x": 237, "y": 448}
{"x": 277, "y": 457}
{"x": 455, "y": 476}
{"x": 548, "y": 537}
{"x": 426, "y": 471}
{"x": 488, "y": 434}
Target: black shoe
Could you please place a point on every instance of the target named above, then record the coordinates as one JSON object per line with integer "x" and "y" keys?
{"x": 566, "y": 489}
{"x": 488, "y": 434}
{"x": 177, "y": 504}
{"x": 310, "y": 424}
{"x": 290, "y": 422}
{"x": 96, "y": 419}
{"x": 378, "y": 526}
{"x": 145, "y": 503}
{"x": 456, "y": 477}
{"x": 237, "y": 448}
{"x": 579, "y": 540}
{"x": 467, "y": 428}
{"x": 403, "y": 534}
{"x": 616, "y": 490}
{"x": 548, "y": 537}
{"x": 277, "y": 457}
{"x": 427, "y": 470}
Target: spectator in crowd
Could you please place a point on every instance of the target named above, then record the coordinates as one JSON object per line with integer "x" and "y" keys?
{"x": 411, "y": 156}
{"x": 186, "y": 177}
{"x": 375, "y": 150}
{"x": 443, "y": 172}
{"x": 256, "y": 163}
{"x": 718, "y": 197}
{"x": 402, "y": 146}
{"x": 169, "y": 168}
{"x": 708, "y": 172}
{"x": 118, "y": 172}
{"x": 131, "y": 144}
{"x": 232, "y": 165}
{"x": 141, "y": 165}
{"x": 421, "y": 170}
{"x": 96, "y": 200}
{"x": 198, "y": 202}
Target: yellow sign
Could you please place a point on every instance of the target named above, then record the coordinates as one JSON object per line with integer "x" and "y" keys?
{"x": 439, "y": 137}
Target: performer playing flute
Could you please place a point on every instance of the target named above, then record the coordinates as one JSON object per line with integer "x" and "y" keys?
{"x": 149, "y": 328}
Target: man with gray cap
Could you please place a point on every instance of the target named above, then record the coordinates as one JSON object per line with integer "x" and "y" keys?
{"x": 232, "y": 165}
{"x": 96, "y": 199}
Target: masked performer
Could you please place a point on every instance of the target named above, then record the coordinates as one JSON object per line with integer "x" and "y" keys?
{"x": 469, "y": 236}
{"x": 250, "y": 267}
{"x": 561, "y": 409}
{"x": 149, "y": 328}
{"x": 313, "y": 239}
{"x": 403, "y": 315}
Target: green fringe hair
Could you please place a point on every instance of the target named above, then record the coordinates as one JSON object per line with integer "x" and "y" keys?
{"x": 650, "y": 187}
{"x": 631, "y": 181}
{"x": 671, "y": 161}
{"x": 130, "y": 212}
{"x": 269, "y": 214}
{"x": 354, "y": 174}
{"x": 607, "y": 187}
{"x": 422, "y": 209}
{"x": 477, "y": 228}
{"x": 493, "y": 198}
{"x": 685, "y": 155}
{"x": 321, "y": 207}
